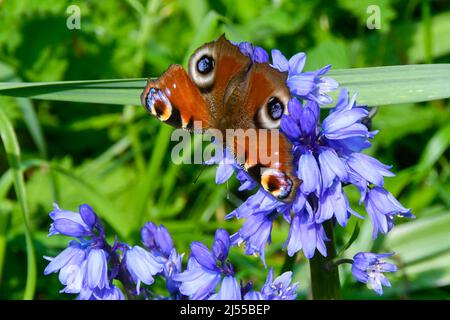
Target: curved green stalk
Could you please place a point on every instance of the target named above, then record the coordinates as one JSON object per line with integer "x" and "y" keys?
{"x": 325, "y": 283}
{"x": 13, "y": 154}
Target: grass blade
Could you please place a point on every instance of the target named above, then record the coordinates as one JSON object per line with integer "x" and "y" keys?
{"x": 375, "y": 86}
{"x": 13, "y": 154}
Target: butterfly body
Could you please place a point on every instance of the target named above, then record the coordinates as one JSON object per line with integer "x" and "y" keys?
{"x": 225, "y": 90}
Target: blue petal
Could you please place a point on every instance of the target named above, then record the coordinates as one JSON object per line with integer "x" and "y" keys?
{"x": 224, "y": 172}
{"x": 246, "y": 48}
{"x": 254, "y": 295}
{"x": 301, "y": 85}
{"x": 279, "y": 61}
{"x": 70, "y": 255}
{"x": 290, "y": 128}
{"x": 339, "y": 120}
{"x": 297, "y": 63}
{"x": 148, "y": 233}
{"x": 309, "y": 172}
{"x": 293, "y": 242}
{"x": 73, "y": 277}
{"x": 70, "y": 228}
{"x": 221, "y": 244}
{"x": 197, "y": 282}
{"x": 88, "y": 215}
{"x": 164, "y": 240}
{"x": 229, "y": 290}
{"x": 309, "y": 119}
{"x": 97, "y": 269}
{"x": 260, "y": 55}
{"x": 142, "y": 265}
{"x": 331, "y": 166}
{"x": 112, "y": 293}
{"x": 203, "y": 256}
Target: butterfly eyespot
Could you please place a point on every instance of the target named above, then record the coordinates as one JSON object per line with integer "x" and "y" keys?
{"x": 202, "y": 67}
{"x": 269, "y": 115}
{"x": 205, "y": 64}
{"x": 158, "y": 104}
{"x": 277, "y": 183}
{"x": 275, "y": 108}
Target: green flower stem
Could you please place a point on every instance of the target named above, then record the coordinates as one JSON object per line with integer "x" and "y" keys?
{"x": 13, "y": 154}
{"x": 324, "y": 273}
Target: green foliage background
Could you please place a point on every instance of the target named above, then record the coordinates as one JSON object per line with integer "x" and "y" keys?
{"x": 117, "y": 159}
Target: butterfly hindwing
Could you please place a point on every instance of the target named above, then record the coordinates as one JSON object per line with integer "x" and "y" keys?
{"x": 258, "y": 102}
{"x": 174, "y": 99}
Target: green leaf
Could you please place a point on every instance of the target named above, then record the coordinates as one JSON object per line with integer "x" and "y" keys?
{"x": 420, "y": 239}
{"x": 439, "y": 27}
{"x": 397, "y": 84}
{"x": 352, "y": 239}
{"x": 13, "y": 154}
{"x": 375, "y": 86}
{"x": 435, "y": 149}
{"x": 112, "y": 91}
{"x": 434, "y": 272}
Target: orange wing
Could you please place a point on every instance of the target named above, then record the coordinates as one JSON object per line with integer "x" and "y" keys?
{"x": 267, "y": 153}
{"x": 174, "y": 99}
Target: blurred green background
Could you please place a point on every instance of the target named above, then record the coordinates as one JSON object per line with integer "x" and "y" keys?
{"x": 118, "y": 159}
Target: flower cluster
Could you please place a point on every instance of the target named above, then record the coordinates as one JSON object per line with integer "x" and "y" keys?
{"x": 91, "y": 268}
{"x": 83, "y": 265}
{"x": 327, "y": 156}
{"x": 89, "y": 265}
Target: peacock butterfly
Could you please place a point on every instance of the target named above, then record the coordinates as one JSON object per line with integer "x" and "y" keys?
{"x": 224, "y": 89}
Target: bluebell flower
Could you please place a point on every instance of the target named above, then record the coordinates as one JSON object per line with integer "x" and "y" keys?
{"x": 334, "y": 203}
{"x": 326, "y": 156}
{"x": 158, "y": 240}
{"x": 84, "y": 223}
{"x": 369, "y": 267}
{"x": 142, "y": 265}
{"x": 306, "y": 234}
{"x": 206, "y": 268}
{"x": 279, "y": 288}
{"x": 332, "y": 168}
{"x": 260, "y": 210}
{"x": 71, "y": 263}
{"x": 97, "y": 269}
{"x": 83, "y": 265}
{"x": 309, "y": 173}
{"x": 382, "y": 206}
{"x": 346, "y": 136}
{"x": 89, "y": 265}
{"x": 229, "y": 290}
{"x": 197, "y": 282}
{"x": 368, "y": 168}
{"x": 310, "y": 85}
{"x": 68, "y": 223}
{"x": 111, "y": 293}
{"x": 256, "y": 54}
